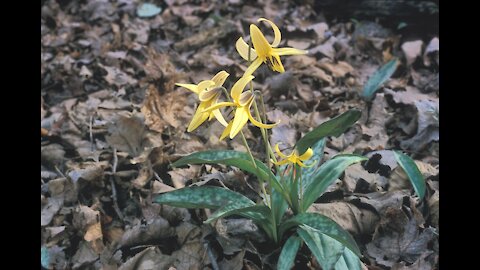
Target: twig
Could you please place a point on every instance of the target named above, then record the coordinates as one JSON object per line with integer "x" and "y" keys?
{"x": 92, "y": 146}
{"x": 112, "y": 183}
{"x": 211, "y": 257}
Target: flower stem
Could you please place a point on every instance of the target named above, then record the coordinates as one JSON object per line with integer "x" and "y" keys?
{"x": 245, "y": 143}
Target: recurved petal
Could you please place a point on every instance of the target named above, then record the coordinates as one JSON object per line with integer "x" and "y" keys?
{"x": 209, "y": 93}
{"x": 259, "y": 41}
{"x": 220, "y": 78}
{"x": 255, "y": 122}
{"x": 303, "y": 165}
{"x": 275, "y": 63}
{"x": 219, "y": 117}
{"x": 308, "y": 154}
{"x": 288, "y": 51}
{"x": 279, "y": 153}
{"x": 253, "y": 66}
{"x": 226, "y": 131}
{"x": 203, "y": 85}
{"x": 281, "y": 162}
{"x": 198, "y": 118}
{"x": 242, "y": 49}
{"x": 189, "y": 86}
{"x": 276, "y": 32}
{"x": 238, "y": 87}
{"x": 240, "y": 119}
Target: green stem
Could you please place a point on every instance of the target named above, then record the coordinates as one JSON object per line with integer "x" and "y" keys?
{"x": 245, "y": 143}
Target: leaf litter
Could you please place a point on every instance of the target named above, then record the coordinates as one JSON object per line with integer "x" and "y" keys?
{"x": 112, "y": 121}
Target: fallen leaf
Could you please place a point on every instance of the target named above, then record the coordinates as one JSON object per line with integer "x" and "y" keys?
{"x": 53, "y": 257}
{"x": 148, "y": 259}
{"x": 351, "y": 218}
{"x": 326, "y": 48}
{"x": 158, "y": 187}
{"x": 408, "y": 97}
{"x": 235, "y": 263}
{"x": 147, "y": 10}
{"x": 382, "y": 201}
{"x": 84, "y": 256}
{"x": 402, "y": 241}
{"x": 181, "y": 176}
{"x": 50, "y": 209}
{"x": 126, "y": 134}
{"x": 319, "y": 29}
{"x": 427, "y": 125}
{"x": 140, "y": 234}
{"x": 168, "y": 109}
{"x": 412, "y": 50}
{"x": 338, "y": 70}
{"x": 432, "y": 49}
{"x": 117, "y": 77}
{"x": 427, "y": 261}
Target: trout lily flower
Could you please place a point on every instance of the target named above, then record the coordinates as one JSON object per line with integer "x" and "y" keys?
{"x": 242, "y": 102}
{"x": 264, "y": 52}
{"x": 208, "y": 91}
{"x": 294, "y": 158}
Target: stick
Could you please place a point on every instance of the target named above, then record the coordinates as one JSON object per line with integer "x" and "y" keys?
{"x": 112, "y": 183}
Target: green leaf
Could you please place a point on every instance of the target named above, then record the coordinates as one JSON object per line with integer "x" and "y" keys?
{"x": 258, "y": 213}
{"x": 203, "y": 197}
{"x": 413, "y": 173}
{"x": 323, "y": 224}
{"x": 330, "y": 170}
{"x": 289, "y": 252}
{"x": 333, "y": 127}
{"x": 348, "y": 261}
{"x": 378, "y": 78}
{"x": 279, "y": 205}
{"x": 232, "y": 158}
{"x": 326, "y": 249}
{"x": 316, "y": 159}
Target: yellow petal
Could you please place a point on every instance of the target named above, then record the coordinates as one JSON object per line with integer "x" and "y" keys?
{"x": 209, "y": 94}
{"x": 242, "y": 49}
{"x": 255, "y": 122}
{"x": 301, "y": 164}
{"x": 281, "y": 162}
{"x": 276, "y": 32}
{"x": 274, "y": 62}
{"x": 280, "y": 154}
{"x": 253, "y": 66}
{"x": 219, "y": 117}
{"x": 226, "y": 131}
{"x": 308, "y": 154}
{"x": 240, "y": 119}
{"x": 198, "y": 118}
{"x": 260, "y": 43}
{"x": 189, "y": 86}
{"x": 218, "y": 106}
{"x": 220, "y": 78}
{"x": 203, "y": 85}
{"x": 238, "y": 87}
{"x": 288, "y": 51}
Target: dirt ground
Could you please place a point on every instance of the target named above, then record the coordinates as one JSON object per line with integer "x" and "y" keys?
{"x": 113, "y": 120}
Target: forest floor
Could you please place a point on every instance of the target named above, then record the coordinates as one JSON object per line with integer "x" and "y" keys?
{"x": 113, "y": 120}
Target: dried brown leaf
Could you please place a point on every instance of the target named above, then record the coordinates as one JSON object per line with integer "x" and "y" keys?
{"x": 163, "y": 110}
{"x": 353, "y": 219}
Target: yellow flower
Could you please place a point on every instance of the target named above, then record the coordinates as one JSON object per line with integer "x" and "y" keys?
{"x": 294, "y": 157}
{"x": 208, "y": 92}
{"x": 264, "y": 52}
{"x": 242, "y": 102}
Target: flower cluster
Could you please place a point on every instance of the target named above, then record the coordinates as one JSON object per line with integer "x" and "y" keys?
{"x": 210, "y": 91}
